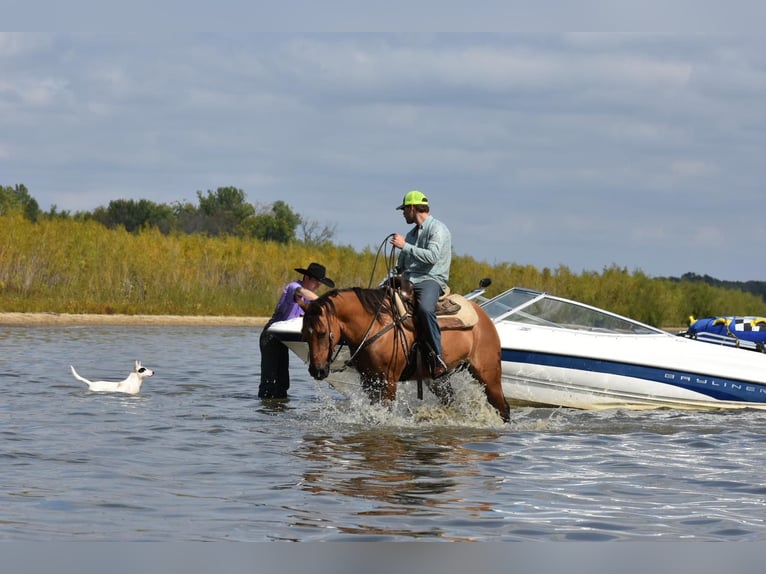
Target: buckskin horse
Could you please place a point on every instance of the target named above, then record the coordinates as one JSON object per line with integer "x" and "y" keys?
{"x": 379, "y": 333}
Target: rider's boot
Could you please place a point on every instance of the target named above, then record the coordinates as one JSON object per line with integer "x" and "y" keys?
{"x": 438, "y": 367}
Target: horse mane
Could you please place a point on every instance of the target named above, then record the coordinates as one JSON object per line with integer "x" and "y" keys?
{"x": 372, "y": 300}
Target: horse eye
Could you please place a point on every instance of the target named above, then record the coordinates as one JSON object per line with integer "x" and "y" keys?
{"x": 312, "y": 331}
{"x": 142, "y": 369}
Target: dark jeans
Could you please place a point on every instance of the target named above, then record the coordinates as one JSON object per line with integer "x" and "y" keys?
{"x": 275, "y": 363}
{"x": 426, "y": 295}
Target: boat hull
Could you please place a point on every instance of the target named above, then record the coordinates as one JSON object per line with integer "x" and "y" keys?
{"x": 626, "y": 371}
{"x": 524, "y": 386}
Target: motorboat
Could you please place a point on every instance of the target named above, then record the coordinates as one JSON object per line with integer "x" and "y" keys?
{"x": 563, "y": 353}
{"x": 556, "y": 351}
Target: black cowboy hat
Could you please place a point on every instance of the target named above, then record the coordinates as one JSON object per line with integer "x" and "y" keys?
{"x": 317, "y": 271}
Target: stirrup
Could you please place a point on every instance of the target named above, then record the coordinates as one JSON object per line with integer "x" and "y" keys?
{"x": 438, "y": 368}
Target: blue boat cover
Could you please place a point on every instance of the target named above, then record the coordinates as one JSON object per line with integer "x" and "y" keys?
{"x": 743, "y": 328}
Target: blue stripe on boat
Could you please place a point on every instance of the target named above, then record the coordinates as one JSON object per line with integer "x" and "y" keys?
{"x": 715, "y": 387}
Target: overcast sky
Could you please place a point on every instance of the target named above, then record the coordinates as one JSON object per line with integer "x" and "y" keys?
{"x": 645, "y": 151}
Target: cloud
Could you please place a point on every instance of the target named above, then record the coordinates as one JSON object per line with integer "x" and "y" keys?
{"x": 581, "y": 149}
{"x": 15, "y": 44}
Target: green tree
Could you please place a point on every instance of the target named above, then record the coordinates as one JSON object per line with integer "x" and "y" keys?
{"x": 16, "y": 199}
{"x": 278, "y": 224}
{"x": 224, "y": 211}
{"x": 134, "y": 215}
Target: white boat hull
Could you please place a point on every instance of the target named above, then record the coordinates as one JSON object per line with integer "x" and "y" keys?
{"x": 653, "y": 371}
{"x": 540, "y": 390}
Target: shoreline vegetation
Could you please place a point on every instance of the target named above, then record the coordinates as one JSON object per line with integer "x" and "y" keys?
{"x": 66, "y": 271}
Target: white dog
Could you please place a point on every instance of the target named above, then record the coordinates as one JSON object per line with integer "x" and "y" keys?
{"x": 131, "y": 385}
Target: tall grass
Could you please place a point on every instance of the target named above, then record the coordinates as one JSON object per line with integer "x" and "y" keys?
{"x": 82, "y": 267}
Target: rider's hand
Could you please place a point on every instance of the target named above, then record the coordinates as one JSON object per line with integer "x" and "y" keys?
{"x": 397, "y": 241}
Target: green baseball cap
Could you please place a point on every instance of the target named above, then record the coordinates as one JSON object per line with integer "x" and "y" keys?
{"x": 414, "y": 197}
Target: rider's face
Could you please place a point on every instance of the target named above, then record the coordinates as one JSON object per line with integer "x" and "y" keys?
{"x": 409, "y": 213}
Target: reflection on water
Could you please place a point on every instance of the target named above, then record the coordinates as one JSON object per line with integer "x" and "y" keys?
{"x": 408, "y": 475}
{"x": 404, "y": 469}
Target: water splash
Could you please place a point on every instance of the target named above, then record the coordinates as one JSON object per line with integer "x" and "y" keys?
{"x": 470, "y": 408}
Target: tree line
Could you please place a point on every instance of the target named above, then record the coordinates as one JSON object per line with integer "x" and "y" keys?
{"x": 222, "y": 212}
{"x": 69, "y": 266}
{"x": 754, "y": 287}
{"x": 241, "y": 250}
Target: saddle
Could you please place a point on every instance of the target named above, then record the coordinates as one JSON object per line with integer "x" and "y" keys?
{"x": 453, "y": 311}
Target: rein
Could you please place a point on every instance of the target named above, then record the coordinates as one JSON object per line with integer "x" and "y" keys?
{"x": 367, "y": 342}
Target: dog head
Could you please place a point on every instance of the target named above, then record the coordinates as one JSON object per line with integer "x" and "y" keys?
{"x": 142, "y": 372}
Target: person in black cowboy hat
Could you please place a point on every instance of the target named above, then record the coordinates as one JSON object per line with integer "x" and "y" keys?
{"x": 275, "y": 362}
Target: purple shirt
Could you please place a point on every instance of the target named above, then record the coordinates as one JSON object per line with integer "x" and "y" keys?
{"x": 287, "y": 308}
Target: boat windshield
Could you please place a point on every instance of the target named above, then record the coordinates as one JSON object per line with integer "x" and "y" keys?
{"x": 536, "y": 308}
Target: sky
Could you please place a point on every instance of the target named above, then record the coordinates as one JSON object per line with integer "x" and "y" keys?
{"x": 586, "y": 150}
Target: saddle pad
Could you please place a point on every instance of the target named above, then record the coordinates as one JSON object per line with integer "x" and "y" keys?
{"x": 464, "y": 318}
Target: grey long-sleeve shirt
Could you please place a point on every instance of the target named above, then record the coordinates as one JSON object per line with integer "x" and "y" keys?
{"x": 427, "y": 253}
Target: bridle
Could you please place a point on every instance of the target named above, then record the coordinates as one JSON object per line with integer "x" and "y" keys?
{"x": 330, "y": 336}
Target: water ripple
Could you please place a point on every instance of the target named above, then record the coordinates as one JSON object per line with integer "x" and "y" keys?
{"x": 197, "y": 456}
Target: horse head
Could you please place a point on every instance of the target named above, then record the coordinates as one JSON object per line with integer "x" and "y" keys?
{"x": 322, "y": 332}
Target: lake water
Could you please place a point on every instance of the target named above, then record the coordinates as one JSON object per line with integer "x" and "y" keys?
{"x": 198, "y": 457}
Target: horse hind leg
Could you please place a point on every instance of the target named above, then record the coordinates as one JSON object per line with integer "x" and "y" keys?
{"x": 443, "y": 390}
{"x": 497, "y": 400}
{"x": 493, "y": 390}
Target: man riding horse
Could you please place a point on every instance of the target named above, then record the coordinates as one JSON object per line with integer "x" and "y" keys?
{"x": 424, "y": 259}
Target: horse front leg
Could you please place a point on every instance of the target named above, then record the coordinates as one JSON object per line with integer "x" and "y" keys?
{"x": 379, "y": 389}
